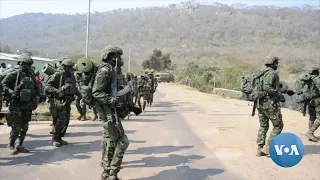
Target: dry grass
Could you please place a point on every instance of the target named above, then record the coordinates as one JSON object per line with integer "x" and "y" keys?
{"x": 43, "y": 113}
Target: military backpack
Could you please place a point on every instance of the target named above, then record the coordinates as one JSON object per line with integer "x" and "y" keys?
{"x": 252, "y": 85}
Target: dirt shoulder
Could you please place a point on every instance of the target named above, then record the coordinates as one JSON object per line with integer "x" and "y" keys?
{"x": 226, "y": 127}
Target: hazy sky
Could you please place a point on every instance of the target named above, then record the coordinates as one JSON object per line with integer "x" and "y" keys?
{"x": 14, "y": 7}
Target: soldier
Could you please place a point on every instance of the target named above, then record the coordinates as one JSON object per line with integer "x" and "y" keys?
{"x": 62, "y": 87}
{"x": 314, "y": 105}
{"x": 153, "y": 82}
{"x": 22, "y": 89}
{"x": 135, "y": 88}
{"x": 114, "y": 140}
{"x": 269, "y": 106}
{"x": 81, "y": 107}
{"x": 85, "y": 87}
{"x": 130, "y": 78}
{"x": 304, "y": 91}
{"x": 50, "y": 99}
{"x": 142, "y": 92}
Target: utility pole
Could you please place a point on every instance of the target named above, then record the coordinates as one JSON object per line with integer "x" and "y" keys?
{"x": 129, "y": 61}
{"x": 88, "y": 23}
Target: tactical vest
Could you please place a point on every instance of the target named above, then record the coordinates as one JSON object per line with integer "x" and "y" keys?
{"x": 69, "y": 84}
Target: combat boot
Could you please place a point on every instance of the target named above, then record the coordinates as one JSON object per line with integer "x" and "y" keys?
{"x": 266, "y": 149}
{"x": 105, "y": 174}
{"x": 63, "y": 142}
{"x": 259, "y": 151}
{"x": 20, "y": 147}
{"x": 113, "y": 175}
{"x": 84, "y": 118}
{"x": 12, "y": 150}
{"x": 310, "y": 134}
{"x": 56, "y": 142}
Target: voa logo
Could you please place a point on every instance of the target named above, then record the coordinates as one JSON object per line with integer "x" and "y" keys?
{"x": 286, "y": 150}
{"x": 293, "y": 150}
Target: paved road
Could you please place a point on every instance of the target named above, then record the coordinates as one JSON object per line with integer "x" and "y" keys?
{"x": 163, "y": 147}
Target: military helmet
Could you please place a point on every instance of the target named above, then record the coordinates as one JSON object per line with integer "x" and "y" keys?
{"x": 25, "y": 58}
{"x": 270, "y": 59}
{"x": 67, "y": 62}
{"x": 36, "y": 72}
{"x": 110, "y": 49}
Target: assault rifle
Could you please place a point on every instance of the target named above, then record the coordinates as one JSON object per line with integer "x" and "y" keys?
{"x": 114, "y": 92}
{"x": 283, "y": 89}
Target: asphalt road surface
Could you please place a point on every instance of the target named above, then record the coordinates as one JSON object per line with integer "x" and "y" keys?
{"x": 185, "y": 135}
{"x": 163, "y": 147}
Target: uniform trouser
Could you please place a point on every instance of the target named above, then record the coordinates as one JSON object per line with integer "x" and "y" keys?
{"x": 316, "y": 122}
{"x": 54, "y": 118}
{"x": 82, "y": 109}
{"x": 95, "y": 112}
{"x": 114, "y": 141}
{"x": 312, "y": 115}
{"x": 272, "y": 113}
{"x": 145, "y": 97}
{"x": 62, "y": 115}
{"x": 19, "y": 124}
{"x": 136, "y": 97}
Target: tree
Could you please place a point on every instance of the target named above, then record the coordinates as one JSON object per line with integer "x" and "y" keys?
{"x": 157, "y": 61}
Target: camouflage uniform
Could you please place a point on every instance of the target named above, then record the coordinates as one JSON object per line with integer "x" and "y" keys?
{"x": 21, "y": 87}
{"x": 86, "y": 85}
{"x": 81, "y": 107}
{"x": 314, "y": 120}
{"x": 50, "y": 97}
{"x": 114, "y": 140}
{"x": 135, "y": 89}
{"x": 269, "y": 106}
{"x": 142, "y": 92}
{"x": 62, "y": 87}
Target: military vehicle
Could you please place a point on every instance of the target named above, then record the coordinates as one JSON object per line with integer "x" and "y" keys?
{"x": 164, "y": 77}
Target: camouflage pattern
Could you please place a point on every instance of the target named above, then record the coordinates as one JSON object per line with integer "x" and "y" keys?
{"x": 269, "y": 108}
{"x": 62, "y": 88}
{"x": 21, "y": 87}
{"x": 135, "y": 89}
{"x": 81, "y": 107}
{"x": 114, "y": 141}
{"x": 314, "y": 120}
{"x": 143, "y": 92}
{"x": 86, "y": 83}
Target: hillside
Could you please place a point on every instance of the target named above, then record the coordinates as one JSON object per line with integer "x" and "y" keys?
{"x": 209, "y": 34}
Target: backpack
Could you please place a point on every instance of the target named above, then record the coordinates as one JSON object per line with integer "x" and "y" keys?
{"x": 247, "y": 83}
{"x": 252, "y": 85}
{"x": 86, "y": 90}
